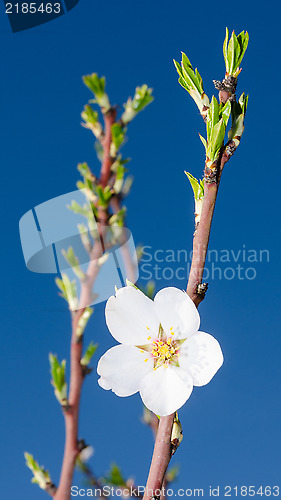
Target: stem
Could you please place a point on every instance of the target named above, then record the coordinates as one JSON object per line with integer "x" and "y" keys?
{"x": 109, "y": 119}
{"x": 160, "y": 459}
{"x": 71, "y": 415}
{"x": 162, "y": 450}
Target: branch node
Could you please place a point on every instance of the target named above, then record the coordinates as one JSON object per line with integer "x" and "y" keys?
{"x": 202, "y": 288}
{"x": 230, "y": 148}
{"x": 81, "y": 445}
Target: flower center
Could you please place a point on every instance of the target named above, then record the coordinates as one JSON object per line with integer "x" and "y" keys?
{"x": 164, "y": 351}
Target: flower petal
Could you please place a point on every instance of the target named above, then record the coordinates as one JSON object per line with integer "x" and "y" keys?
{"x": 122, "y": 368}
{"x": 163, "y": 391}
{"x": 201, "y": 357}
{"x": 131, "y": 317}
{"x": 176, "y": 310}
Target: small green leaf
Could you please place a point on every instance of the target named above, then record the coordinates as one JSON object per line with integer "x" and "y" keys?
{"x": 203, "y": 140}
{"x": 194, "y": 184}
{"x": 118, "y": 137}
{"x": 69, "y": 292}
{"x": 40, "y": 475}
{"x": 133, "y": 106}
{"x": 83, "y": 321}
{"x": 225, "y": 50}
{"x": 73, "y": 261}
{"x": 58, "y": 379}
{"x": 225, "y": 112}
{"x": 90, "y": 351}
{"x": 115, "y": 476}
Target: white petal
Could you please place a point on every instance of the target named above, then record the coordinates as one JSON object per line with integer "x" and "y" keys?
{"x": 163, "y": 390}
{"x": 176, "y": 310}
{"x": 129, "y": 314}
{"x": 201, "y": 357}
{"x": 122, "y": 368}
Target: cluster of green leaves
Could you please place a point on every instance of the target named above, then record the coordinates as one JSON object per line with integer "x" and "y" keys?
{"x": 68, "y": 291}
{"x": 40, "y": 475}
{"x": 217, "y": 120}
{"x": 58, "y": 379}
{"x": 233, "y": 51}
{"x": 90, "y": 119}
{"x": 143, "y": 97}
{"x": 216, "y": 115}
{"x": 97, "y": 86}
{"x": 191, "y": 81}
{"x": 73, "y": 261}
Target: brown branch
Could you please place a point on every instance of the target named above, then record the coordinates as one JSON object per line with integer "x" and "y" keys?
{"x": 71, "y": 414}
{"x": 163, "y": 450}
{"x": 109, "y": 119}
{"x": 160, "y": 459}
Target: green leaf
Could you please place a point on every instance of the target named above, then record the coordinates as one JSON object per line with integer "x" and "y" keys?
{"x": 119, "y": 178}
{"x": 115, "y": 476}
{"x": 203, "y": 140}
{"x": 194, "y": 184}
{"x": 243, "y": 40}
{"x": 40, "y": 475}
{"x": 133, "y": 106}
{"x": 90, "y": 351}
{"x": 118, "y": 136}
{"x": 85, "y": 210}
{"x": 217, "y": 139}
{"x": 58, "y": 379}
{"x": 118, "y": 218}
{"x": 104, "y": 195}
{"x": 212, "y": 117}
{"x": 230, "y": 53}
{"x": 68, "y": 289}
{"x": 73, "y": 261}
{"x": 225, "y": 112}
{"x": 225, "y": 50}
{"x": 83, "y": 321}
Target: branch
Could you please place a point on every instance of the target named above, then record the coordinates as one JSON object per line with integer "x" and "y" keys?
{"x": 163, "y": 449}
{"x": 109, "y": 119}
{"x": 71, "y": 415}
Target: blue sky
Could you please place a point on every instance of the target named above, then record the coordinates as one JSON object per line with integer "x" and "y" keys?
{"x": 232, "y": 426}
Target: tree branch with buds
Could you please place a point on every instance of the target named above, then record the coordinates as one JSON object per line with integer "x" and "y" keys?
{"x": 111, "y": 185}
{"x": 216, "y": 115}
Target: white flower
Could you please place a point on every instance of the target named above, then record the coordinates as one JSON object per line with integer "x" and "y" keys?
{"x": 162, "y": 355}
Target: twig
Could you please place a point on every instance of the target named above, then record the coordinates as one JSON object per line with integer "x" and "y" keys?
{"x": 71, "y": 415}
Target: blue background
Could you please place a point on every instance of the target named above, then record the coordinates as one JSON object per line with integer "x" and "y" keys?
{"x": 231, "y": 426}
